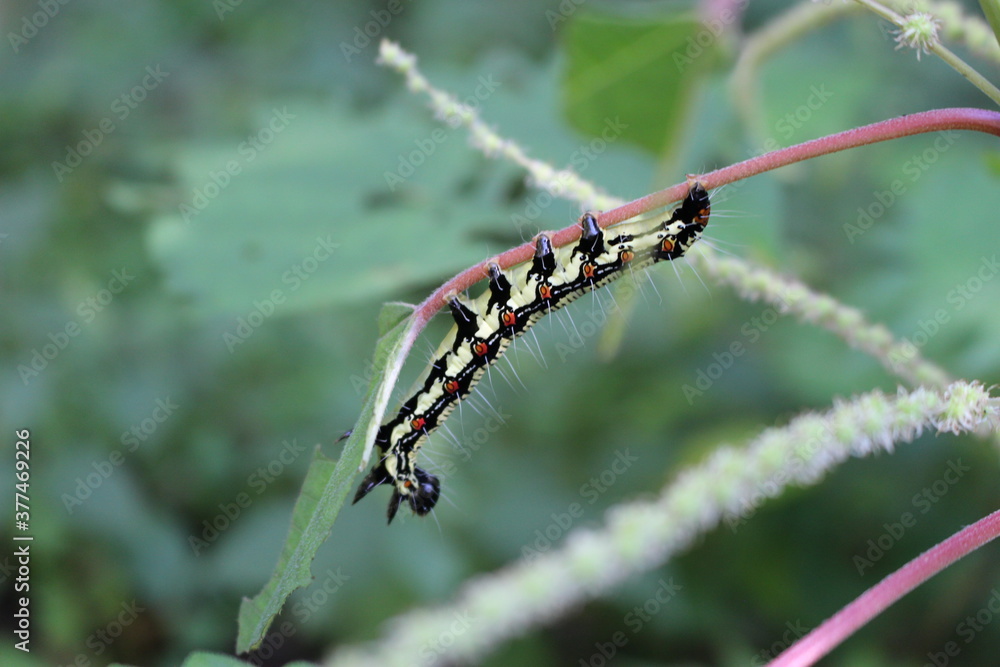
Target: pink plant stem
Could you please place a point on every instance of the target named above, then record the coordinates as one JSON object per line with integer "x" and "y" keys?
{"x": 894, "y": 128}
{"x": 875, "y": 600}
{"x": 928, "y": 121}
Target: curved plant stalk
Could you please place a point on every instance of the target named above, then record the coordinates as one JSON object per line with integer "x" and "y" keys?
{"x": 642, "y": 535}
{"x": 448, "y": 109}
{"x": 881, "y": 596}
{"x": 790, "y": 296}
{"x": 991, "y": 9}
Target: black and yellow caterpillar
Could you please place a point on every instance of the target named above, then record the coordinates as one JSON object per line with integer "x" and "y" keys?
{"x": 507, "y": 309}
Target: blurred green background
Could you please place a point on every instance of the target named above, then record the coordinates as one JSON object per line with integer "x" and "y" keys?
{"x": 197, "y": 231}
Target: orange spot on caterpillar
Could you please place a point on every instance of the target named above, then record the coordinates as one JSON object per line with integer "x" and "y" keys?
{"x": 588, "y": 270}
{"x": 626, "y": 256}
{"x": 418, "y": 423}
{"x": 509, "y": 318}
{"x": 667, "y": 245}
{"x": 451, "y": 386}
{"x": 702, "y": 217}
{"x": 545, "y": 292}
{"x": 480, "y": 349}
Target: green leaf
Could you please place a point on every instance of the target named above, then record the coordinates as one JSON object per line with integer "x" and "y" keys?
{"x": 326, "y": 486}
{"x": 289, "y": 217}
{"x": 991, "y": 9}
{"x": 633, "y": 77}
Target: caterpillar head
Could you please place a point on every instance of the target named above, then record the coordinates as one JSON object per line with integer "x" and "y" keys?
{"x": 696, "y": 207}
{"x": 686, "y": 224}
{"x": 420, "y": 489}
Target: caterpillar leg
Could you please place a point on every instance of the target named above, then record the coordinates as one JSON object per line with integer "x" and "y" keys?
{"x": 378, "y": 475}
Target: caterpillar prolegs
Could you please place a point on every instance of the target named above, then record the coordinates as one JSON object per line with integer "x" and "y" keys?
{"x": 509, "y": 307}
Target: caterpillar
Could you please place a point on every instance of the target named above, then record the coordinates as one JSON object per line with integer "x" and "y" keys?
{"x": 507, "y": 309}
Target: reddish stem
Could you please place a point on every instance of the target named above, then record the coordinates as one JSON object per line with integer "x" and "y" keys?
{"x": 928, "y": 121}
{"x": 875, "y": 600}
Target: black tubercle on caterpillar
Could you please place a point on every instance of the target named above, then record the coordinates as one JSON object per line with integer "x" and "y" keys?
{"x": 510, "y": 306}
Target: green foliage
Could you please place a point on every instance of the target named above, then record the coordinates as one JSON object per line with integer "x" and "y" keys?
{"x": 639, "y": 75}
{"x": 991, "y": 10}
{"x": 327, "y": 209}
